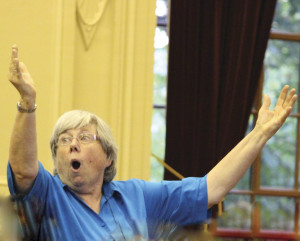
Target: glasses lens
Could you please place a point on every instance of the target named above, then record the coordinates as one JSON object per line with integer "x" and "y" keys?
{"x": 86, "y": 138}
{"x": 83, "y": 138}
{"x": 65, "y": 140}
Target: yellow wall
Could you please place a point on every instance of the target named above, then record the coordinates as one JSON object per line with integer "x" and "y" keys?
{"x": 110, "y": 76}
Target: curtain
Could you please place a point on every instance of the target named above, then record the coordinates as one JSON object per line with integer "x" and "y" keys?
{"x": 216, "y": 53}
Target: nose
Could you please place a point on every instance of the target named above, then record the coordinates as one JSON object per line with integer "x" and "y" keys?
{"x": 74, "y": 146}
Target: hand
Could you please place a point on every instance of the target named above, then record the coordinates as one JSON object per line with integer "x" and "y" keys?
{"x": 270, "y": 121}
{"x": 20, "y": 77}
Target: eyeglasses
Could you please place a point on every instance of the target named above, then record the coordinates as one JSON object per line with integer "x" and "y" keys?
{"x": 83, "y": 138}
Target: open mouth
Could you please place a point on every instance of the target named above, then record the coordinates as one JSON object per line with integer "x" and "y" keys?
{"x": 75, "y": 164}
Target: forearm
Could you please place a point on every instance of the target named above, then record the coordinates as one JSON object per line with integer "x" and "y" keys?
{"x": 222, "y": 178}
{"x": 226, "y": 174}
{"x": 23, "y": 150}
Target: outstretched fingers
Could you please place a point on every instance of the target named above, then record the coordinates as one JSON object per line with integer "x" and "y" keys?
{"x": 14, "y": 51}
{"x": 271, "y": 120}
{"x": 14, "y": 57}
{"x": 287, "y": 99}
{"x": 290, "y": 99}
{"x": 14, "y": 68}
{"x": 283, "y": 95}
{"x": 285, "y": 103}
{"x": 19, "y": 76}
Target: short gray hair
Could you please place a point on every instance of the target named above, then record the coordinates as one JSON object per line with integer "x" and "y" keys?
{"x": 77, "y": 119}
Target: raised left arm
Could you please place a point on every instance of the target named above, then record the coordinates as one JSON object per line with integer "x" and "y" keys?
{"x": 226, "y": 174}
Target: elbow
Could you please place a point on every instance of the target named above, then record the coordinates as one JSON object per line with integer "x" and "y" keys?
{"x": 214, "y": 197}
{"x": 24, "y": 175}
{"x": 216, "y": 190}
{"x": 23, "y": 183}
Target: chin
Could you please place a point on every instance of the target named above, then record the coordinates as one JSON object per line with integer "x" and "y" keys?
{"x": 71, "y": 182}
{"x": 77, "y": 182}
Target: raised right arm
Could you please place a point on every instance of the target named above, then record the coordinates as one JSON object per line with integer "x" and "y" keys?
{"x": 23, "y": 144}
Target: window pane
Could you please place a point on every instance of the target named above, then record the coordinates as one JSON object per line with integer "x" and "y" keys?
{"x": 237, "y": 213}
{"x": 277, "y": 213}
{"x": 161, "y": 39}
{"x": 162, "y": 12}
{"x": 281, "y": 67}
{"x": 287, "y": 16}
{"x": 278, "y": 157}
{"x": 157, "y": 171}
{"x": 158, "y": 130}
{"x": 160, "y": 66}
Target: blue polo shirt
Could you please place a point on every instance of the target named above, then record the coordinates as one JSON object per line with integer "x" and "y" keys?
{"x": 128, "y": 208}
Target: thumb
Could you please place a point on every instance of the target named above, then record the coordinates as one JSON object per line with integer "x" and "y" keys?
{"x": 266, "y": 102}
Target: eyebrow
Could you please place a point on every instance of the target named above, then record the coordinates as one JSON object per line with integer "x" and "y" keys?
{"x": 81, "y": 130}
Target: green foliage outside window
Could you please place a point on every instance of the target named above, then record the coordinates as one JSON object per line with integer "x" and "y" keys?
{"x": 278, "y": 158}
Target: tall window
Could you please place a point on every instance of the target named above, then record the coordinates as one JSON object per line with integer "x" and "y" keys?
{"x": 160, "y": 89}
{"x": 265, "y": 203}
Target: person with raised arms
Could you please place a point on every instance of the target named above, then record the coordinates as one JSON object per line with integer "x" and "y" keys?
{"x": 80, "y": 201}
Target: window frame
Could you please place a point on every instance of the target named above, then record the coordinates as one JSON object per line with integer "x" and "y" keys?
{"x": 256, "y": 189}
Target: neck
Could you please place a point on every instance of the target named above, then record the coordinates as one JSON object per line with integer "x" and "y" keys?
{"x": 92, "y": 200}
{"x": 91, "y": 196}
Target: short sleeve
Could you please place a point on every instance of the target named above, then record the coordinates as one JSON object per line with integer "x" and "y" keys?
{"x": 181, "y": 202}
{"x": 39, "y": 188}
{"x": 30, "y": 207}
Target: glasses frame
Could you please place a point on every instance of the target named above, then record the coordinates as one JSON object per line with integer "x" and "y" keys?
{"x": 93, "y": 137}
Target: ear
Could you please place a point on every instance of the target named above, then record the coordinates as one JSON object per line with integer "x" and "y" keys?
{"x": 108, "y": 163}
{"x": 55, "y": 168}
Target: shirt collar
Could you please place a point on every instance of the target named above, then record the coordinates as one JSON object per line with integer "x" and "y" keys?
{"x": 109, "y": 189}
{"x": 60, "y": 182}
